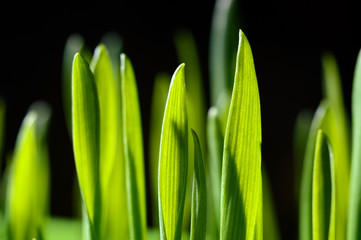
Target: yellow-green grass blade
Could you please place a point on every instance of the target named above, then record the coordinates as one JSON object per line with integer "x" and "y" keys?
{"x": 108, "y": 106}
{"x": 323, "y": 190}
{"x": 114, "y": 44}
{"x": 215, "y": 148}
{"x": 2, "y": 129}
{"x": 86, "y": 137}
{"x": 199, "y": 193}
{"x": 75, "y": 43}
{"x": 27, "y": 193}
{"x": 222, "y": 47}
{"x": 241, "y": 191}
{"x": 173, "y": 159}
{"x": 354, "y": 208}
{"x": 305, "y": 209}
{"x": 133, "y": 151}
{"x": 62, "y": 228}
{"x": 339, "y": 139}
{"x": 159, "y": 99}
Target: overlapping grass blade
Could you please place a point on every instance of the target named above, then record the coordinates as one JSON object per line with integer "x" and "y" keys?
{"x": 223, "y": 46}
{"x": 199, "y": 193}
{"x": 86, "y": 137}
{"x": 338, "y": 134}
{"x": 114, "y": 44}
{"x": 173, "y": 159}
{"x": 27, "y": 197}
{"x": 241, "y": 193}
{"x": 74, "y": 44}
{"x": 323, "y": 190}
{"x": 133, "y": 151}
{"x": 354, "y": 210}
{"x": 159, "y": 99}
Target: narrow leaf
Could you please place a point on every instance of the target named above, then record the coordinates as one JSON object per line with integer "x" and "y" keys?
{"x": 173, "y": 159}
{"x": 354, "y": 210}
{"x": 241, "y": 194}
{"x": 159, "y": 99}
{"x": 86, "y": 138}
{"x": 199, "y": 193}
{"x": 133, "y": 151}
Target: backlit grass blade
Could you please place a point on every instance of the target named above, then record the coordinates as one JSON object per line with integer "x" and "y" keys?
{"x": 323, "y": 190}
{"x": 75, "y": 43}
{"x": 114, "y": 44}
{"x": 305, "y": 210}
{"x": 2, "y": 130}
{"x": 199, "y": 193}
{"x": 86, "y": 137}
{"x": 241, "y": 193}
{"x": 354, "y": 210}
{"x": 159, "y": 99}
{"x": 222, "y": 47}
{"x": 173, "y": 159}
{"x": 133, "y": 151}
{"x": 28, "y": 183}
{"x": 339, "y": 138}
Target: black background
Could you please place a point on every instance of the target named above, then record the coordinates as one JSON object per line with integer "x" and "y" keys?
{"x": 287, "y": 39}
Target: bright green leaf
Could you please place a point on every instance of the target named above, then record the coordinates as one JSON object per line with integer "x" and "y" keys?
{"x": 159, "y": 99}
{"x": 199, "y": 193}
{"x": 61, "y": 228}
{"x": 323, "y": 190}
{"x": 354, "y": 210}
{"x": 241, "y": 194}
{"x": 173, "y": 159}
{"x": 133, "y": 151}
{"x": 114, "y": 44}
{"x": 86, "y": 137}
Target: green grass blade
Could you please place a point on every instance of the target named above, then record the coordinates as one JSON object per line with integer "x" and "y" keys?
{"x": 173, "y": 159}
{"x": 159, "y": 99}
{"x": 241, "y": 171}
{"x": 223, "y": 46}
{"x": 2, "y": 129}
{"x": 114, "y": 44}
{"x": 86, "y": 137}
{"x": 199, "y": 193}
{"x": 354, "y": 210}
{"x": 61, "y": 228}
{"x": 338, "y": 134}
{"x": 75, "y": 43}
{"x": 133, "y": 151}
{"x": 323, "y": 190}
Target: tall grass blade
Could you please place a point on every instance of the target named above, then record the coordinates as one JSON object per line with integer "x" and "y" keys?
{"x": 354, "y": 210}
{"x": 159, "y": 99}
{"x": 222, "y": 47}
{"x": 173, "y": 159}
{"x": 241, "y": 193}
{"x": 199, "y": 193}
{"x": 133, "y": 151}
{"x": 323, "y": 190}
{"x": 86, "y": 137}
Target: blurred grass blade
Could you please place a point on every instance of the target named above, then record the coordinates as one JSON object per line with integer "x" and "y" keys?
{"x": 241, "y": 194}
{"x": 114, "y": 44}
{"x": 338, "y": 134}
{"x": 323, "y": 190}
{"x": 108, "y": 107}
{"x": 75, "y": 43}
{"x": 222, "y": 47}
{"x": 305, "y": 210}
{"x": 354, "y": 210}
{"x": 86, "y": 137}
{"x": 199, "y": 193}
{"x": 133, "y": 151}
{"x": 61, "y": 228}
{"x": 29, "y": 178}
{"x": 2, "y": 130}
{"x": 159, "y": 99}
{"x": 173, "y": 159}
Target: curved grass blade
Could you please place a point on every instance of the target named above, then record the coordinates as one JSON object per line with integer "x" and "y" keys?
{"x": 159, "y": 99}
{"x": 75, "y": 43}
{"x": 241, "y": 194}
{"x": 323, "y": 190}
{"x": 199, "y": 193}
{"x": 86, "y": 137}
{"x": 222, "y": 47}
{"x": 354, "y": 210}
{"x": 173, "y": 159}
{"x": 133, "y": 151}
